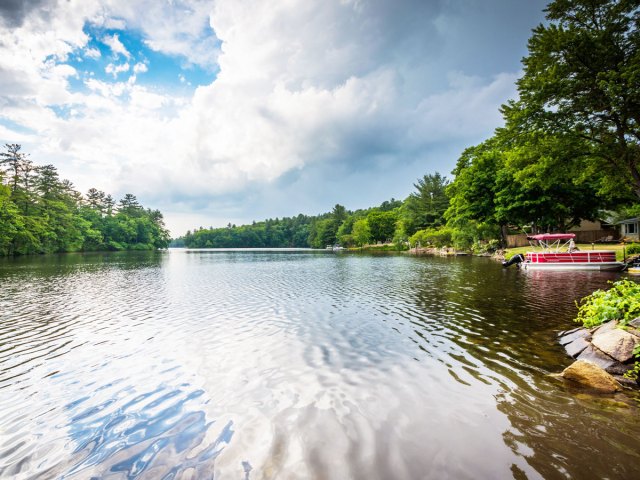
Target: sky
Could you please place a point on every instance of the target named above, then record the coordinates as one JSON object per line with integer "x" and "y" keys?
{"x": 229, "y": 111}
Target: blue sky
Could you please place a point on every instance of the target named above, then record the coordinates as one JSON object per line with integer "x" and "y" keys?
{"x": 170, "y": 73}
{"x": 237, "y": 110}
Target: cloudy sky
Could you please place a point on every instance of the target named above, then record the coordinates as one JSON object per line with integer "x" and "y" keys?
{"x": 218, "y": 111}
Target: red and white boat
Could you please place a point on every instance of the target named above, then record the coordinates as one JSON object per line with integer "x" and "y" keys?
{"x": 558, "y": 252}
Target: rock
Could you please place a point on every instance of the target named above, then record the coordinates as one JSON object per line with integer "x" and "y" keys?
{"x": 616, "y": 343}
{"x": 618, "y": 368}
{"x": 624, "y": 381}
{"x": 635, "y": 322}
{"x": 590, "y": 376}
{"x": 633, "y": 331}
{"x": 574, "y": 335}
{"x": 594, "y": 355}
{"x": 576, "y": 347}
{"x": 605, "y": 327}
{"x": 568, "y": 332}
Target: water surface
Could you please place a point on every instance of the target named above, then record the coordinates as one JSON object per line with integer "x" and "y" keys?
{"x": 297, "y": 365}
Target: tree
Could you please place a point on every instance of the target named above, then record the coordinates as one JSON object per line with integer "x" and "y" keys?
{"x": 361, "y": 233}
{"x": 48, "y": 182}
{"x": 339, "y": 214}
{"x": 129, "y": 205}
{"x": 382, "y": 225}
{"x": 426, "y": 206}
{"x": 582, "y": 81}
{"x": 523, "y": 179}
{"x": 472, "y": 193}
{"x": 14, "y": 159}
{"x": 11, "y": 222}
{"x": 96, "y": 199}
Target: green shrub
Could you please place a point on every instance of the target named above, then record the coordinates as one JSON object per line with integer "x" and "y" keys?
{"x": 634, "y": 373}
{"x": 490, "y": 246}
{"x": 621, "y": 302}
{"x": 633, "y": 248}
{"x": 434, "y": 237}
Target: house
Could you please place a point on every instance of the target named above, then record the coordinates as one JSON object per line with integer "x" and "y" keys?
{"x": 629, "y": 228}
{"x": 600, "y": 230}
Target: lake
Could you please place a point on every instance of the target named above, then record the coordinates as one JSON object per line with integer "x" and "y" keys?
{"x": 297, "y": 365}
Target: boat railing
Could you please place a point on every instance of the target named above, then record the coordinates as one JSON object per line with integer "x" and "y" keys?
{"x": 550, "y": 246}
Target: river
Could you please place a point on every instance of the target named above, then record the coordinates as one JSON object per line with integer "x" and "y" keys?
{"x": 297, "y": 365}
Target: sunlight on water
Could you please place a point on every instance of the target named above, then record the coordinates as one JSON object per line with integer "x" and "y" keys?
{"x": 298, "y": 365}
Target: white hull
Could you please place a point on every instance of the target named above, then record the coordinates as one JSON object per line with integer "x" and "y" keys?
{"x": 598, "y": 266}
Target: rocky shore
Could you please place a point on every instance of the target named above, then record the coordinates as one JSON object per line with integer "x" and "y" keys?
{"x": 603, "y": 354}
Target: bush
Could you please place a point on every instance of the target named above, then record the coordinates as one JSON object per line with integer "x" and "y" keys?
{"x": 633, "y": 248}
{"x": 475, "y": 237}
{"x": 634, "y": 373}
{"x": 621, "y": 302}
{"x": 440, "y": 237}
{"x": 490, "y": 246}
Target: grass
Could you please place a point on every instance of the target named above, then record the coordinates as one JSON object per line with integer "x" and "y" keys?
{"x": 617, "y": 247}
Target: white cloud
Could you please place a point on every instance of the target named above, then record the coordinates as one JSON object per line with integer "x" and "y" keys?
{"x": 115, "y": 70}
{"x": 140, "y": 68}
{"x": 301, "y": 85}
{"x": 92, "y": 53}
{"x": 116, "y": 46}
{"x": 179, "y": 27}
{"x": 114, "y": 23}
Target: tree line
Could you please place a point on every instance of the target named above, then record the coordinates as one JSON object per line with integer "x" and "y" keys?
{"x": 392, "y": 221}
{"x": 569, "y": 149}
{"x": 41, "y": 213}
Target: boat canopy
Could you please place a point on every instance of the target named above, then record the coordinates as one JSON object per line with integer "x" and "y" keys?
{"x": 550, "y": 237}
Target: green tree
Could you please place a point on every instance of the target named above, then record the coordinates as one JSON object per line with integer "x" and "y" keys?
{"x": 13, "y": 159}
{"x": 339, "y": 214}
{"x": 382, "y": 225}
{"x": 582, "y": 80}
{"x": 426, "y": 206}
{"x": 361, "y": 233}
{"x": 129, "y": 205}
{"x": 472, "y": 193}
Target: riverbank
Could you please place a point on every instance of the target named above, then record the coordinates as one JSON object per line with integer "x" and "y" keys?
{"x": 443, "y": 252}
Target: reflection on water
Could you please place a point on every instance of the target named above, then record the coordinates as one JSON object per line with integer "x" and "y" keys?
{"x": 259, "y": 365}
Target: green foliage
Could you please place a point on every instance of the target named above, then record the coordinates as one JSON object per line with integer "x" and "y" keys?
{"x": 475, "y": 237}
{"x": 432, "y": 237}
{"x": 40, "y": 213}
{"x": 523, "y": 179}
{"x": 581, "y": 81}
{"x": 426, "y": 206}
{"x": 361, "y": 232}
{"x": 633, "y": 248}
{"x": 621, "y": 302}
{"x": 300, "y": 231}
{"x": 382, "y": 225}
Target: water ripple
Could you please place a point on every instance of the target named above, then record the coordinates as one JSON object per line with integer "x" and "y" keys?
{"x": 293, "y": 365}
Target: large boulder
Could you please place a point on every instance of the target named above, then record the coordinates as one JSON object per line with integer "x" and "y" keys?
{"x": 616, "y": 343}
{"x": 605, "y": 327}
{"x": 590, "y": 376}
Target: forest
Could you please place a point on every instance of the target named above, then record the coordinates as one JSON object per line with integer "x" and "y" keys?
{"x": 41, "y": 213}
{"x": 569, "y": 150}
